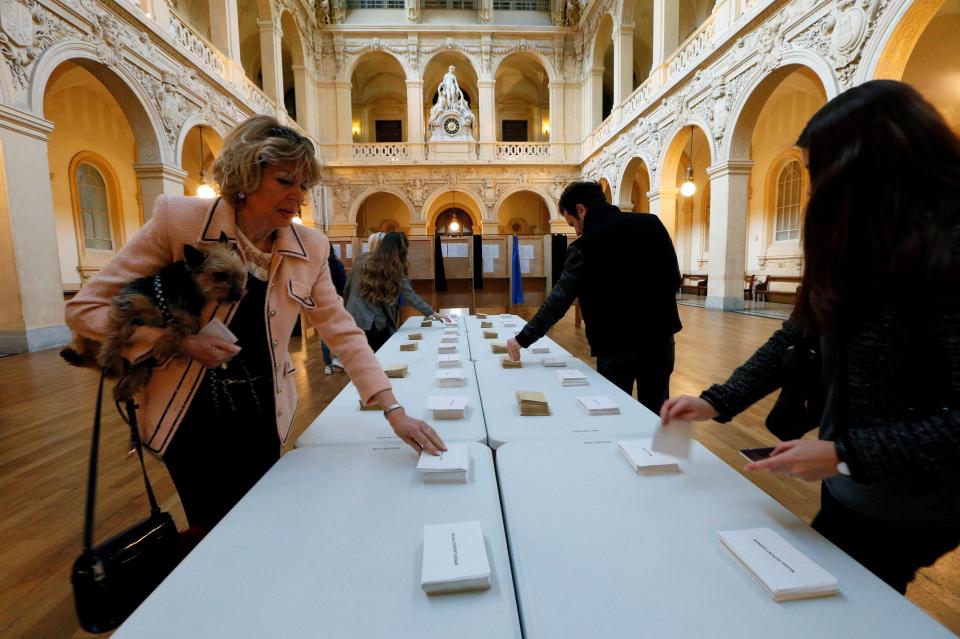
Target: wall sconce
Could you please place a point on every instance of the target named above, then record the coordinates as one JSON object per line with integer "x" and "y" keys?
{"x": 356, "y": 131}
{"x": 546, "y": 128}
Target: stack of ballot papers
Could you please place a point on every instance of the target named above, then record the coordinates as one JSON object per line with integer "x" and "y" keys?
{"x": 506, "y": 362}
{"x": 554, "y": 362}
{"x": 449, "y": 361}
{"x": 395, "y": 370}
{"x": 481, "y": 316}
{"x": 373, "y": 406}
{"x": 449, "y": 467}
{"x": 447, "y": 348}
{"x": 450, "y": 377}
{"x": 509, "y": 324}
{"x": 643, "y": 459}
{"x": 449, "y": 339}
{"x": 408, "y": 346}
{"x": 454, "y": 558}
{"x": 539, "y": 350}
{"x": 784, "y": 571}
{"x": 413, "y": 337}
{"x": 427, "y": 323}
{"x": 490, "y": 335}
{"x": 447, "y": 406}
{"x": 598, "y": 405}
{"x": 572, "y": 378}
{"x": 533, "y": 404}
{"x": 451, "y": 331}
{"x": 486, "y": 324}
{"x": 498, "y": 349}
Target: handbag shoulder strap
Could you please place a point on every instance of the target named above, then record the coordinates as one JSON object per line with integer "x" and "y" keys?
{"x": 91, "y": 508}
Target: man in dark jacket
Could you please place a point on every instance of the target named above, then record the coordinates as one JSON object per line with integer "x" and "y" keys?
{"x": 624, "y": 270}
{"x": 338, "y": 273}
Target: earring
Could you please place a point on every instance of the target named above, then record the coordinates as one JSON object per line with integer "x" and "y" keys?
{"x": 241, "y": 195}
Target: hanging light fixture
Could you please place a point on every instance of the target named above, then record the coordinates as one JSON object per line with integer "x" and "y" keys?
{"x": 688, "y": 188}
{"x": 454, "y": 226}
{"x": 204, "y": 190}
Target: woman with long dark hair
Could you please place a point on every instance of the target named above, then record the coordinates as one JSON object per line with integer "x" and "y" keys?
{"x": 881, "y": 296}
{"x": 377, "y": 283}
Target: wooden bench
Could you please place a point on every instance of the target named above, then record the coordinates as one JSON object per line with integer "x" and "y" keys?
{"x": 779, "y": 288}
{"x": 693, "y": 284}
{"x": 748, "y": 281}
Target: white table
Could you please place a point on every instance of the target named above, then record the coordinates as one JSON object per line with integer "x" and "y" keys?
{"x": 328, "y": 544}
{"x": 342, "y": 421}
{"x": 498, "y": 387}
{"x": 427, "y": 348}
{"x": 414, "y": 322}
{"x": 600, "y": 551}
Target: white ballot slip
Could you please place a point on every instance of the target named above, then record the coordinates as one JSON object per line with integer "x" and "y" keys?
{"x": 785, "y": 572}
{"x": 554, "y": 362}
{"x": 449, "y": 339}
{"x": 450, "y": 466}
{"x": 674, "y": 440}
{"x": 451, "y": 331}
{"x": 449, "y": 361}
{"x": 216, "y": 328}
{"x": 598, "y": 405}
{"x": 450, "y": 377}
{"x": 454, "y": 558}
{"x": 446, "y": 349}
{"x": 642, "y": 459}
{"x": 447, "y": 406}
{"x": 572, "y": 378}
{"x": 539, "y": 350}
{"x": 509, "y": 324}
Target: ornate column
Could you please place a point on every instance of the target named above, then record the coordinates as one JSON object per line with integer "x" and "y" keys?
{"x": 224, "y": 28}
{"x": 306, "y": 92}
{"x": 156, "y": 179}
{"x": 415, "y": 137}
{"x": 666, "y": 34}
{"x": 488, "y": 119}
{"x": 344, "y": 119}
{"x": 593, "y": 100}
{"x": 31, "y": 297}
{"x": 663, "y": 204}
{"x": 557, "y": 115}
{"x": 271, "y": 61}
{"x": 729, "y": 200}
{"x": 622, "y": 63}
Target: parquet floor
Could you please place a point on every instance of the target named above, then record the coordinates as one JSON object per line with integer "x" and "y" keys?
{"x": 45, "y": 415}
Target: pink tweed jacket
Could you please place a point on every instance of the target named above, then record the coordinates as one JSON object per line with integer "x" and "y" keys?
{"x": 299, "y": 279}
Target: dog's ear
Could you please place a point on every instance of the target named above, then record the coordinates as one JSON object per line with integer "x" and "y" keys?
{"x": 223, "y": 239}
{"x": 193, "y": 256}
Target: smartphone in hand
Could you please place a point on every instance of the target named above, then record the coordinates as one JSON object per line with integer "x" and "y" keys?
{"x": 756, "y": 454}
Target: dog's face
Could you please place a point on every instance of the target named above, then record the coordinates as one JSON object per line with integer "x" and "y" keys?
{"x": 218, "y": 270}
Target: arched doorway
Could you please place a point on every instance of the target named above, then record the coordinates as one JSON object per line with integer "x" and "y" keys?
{"x": 201, "y": 147}
{"x": 382, "y": 212}
{"x": 379, "y": 100}
{"x": 467, "y": 79}
{"x": 685, "y": 161}
{"x": 523, "y": 213}
{"x": 522, "y": 98}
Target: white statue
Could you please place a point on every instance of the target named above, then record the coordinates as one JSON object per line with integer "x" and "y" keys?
{"x": 451, "y": 117}
{"x": 449, "y": 95}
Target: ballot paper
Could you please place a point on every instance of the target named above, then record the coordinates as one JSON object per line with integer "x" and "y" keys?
{"x": 447, "y": 406}
{"x": 539, "y": 350}
{"x": 506, "y": 362}
{"x": 449, "y": 339}
{"x": 216, "y": 328}
{"x": 454, "y": 558}
{"x": 509, "y": 324}
{"x": 446, "y": 349}
{"x": 572, "y": 378}
{"x": 644, "y": 460}
{"x": 481, "y": 316}
{"x": 498, "y": 348}
{"x": 415, "y": 336}
{"x": 533, "y": 404}
{"x": 451, "y": 331}
{"x": 408, "y": 346}
{"x": 449, "y": 361}
{"x": 450, "y": 377}
{"x": 395, "y": 370}
{"x": 554, "y": 362}
{"x": 785, "y": 572}
{"x": 426, "y": 323}
{"x": 486, "y": 324}
{"x": 674, "y": 440}
{"x": 490, "y": 335}
{"x": 449, "y": 321}
{"x": 597, "y": 405}
{"x": 450, "y": 466}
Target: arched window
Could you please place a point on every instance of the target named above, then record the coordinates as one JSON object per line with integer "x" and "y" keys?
{"x": 789, "y": 185}
{"x": 94, "y": 208}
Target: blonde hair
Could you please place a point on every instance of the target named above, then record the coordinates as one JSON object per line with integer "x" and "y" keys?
{"x": 256, "y": 142}
{"x": 373, "y": 242}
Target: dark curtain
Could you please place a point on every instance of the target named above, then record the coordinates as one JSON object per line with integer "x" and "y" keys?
{"x": 477, "y": 261}
{"x": 559, "y": 252}
{"x": 439, "y": 277}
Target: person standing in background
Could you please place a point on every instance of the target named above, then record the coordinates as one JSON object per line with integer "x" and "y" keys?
{"x": 338, "y": 273}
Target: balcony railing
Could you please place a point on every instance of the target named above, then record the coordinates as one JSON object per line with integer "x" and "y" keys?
{"x": 701, "y": 40}
{"x": 523, "y": 151}
{"x": 380, "y": 151}
{"x": 204, "y": 53}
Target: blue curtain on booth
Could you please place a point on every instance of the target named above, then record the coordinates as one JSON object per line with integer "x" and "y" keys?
{"x": 516, "y": 277}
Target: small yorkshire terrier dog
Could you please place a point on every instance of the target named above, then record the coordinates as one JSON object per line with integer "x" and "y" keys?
{"x": 172, "y": 300}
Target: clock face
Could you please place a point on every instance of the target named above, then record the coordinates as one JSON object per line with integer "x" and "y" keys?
{"x": 451, "y": 126}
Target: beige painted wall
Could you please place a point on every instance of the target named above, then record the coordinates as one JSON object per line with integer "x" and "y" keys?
{"x": 527, "y": 206}
{"x": 11, "y": 314}
{"x": 934, "y": 67}
{"x": 87, "y": 118}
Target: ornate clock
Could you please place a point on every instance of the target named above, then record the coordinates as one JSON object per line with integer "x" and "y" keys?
{"x": 451, "y": 126}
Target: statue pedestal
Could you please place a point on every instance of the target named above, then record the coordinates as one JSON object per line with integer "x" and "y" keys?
{"x": 453, "y": 151}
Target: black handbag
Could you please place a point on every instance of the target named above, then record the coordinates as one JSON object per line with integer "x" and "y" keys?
{"x": 110, "y": 580}
{"x": 800, "y": 405}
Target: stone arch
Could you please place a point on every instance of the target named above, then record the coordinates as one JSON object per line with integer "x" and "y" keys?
{"x": 197, "y": 119}
{"x": 544, "y": 61}
{"x": 362, "y": 197}
{"x": 353, "y": 61}
{"x": 886, "y": 54}
{"x": 142, "y": 115}
{"x": 478, "y": 207}
{"x": 604, "y": 183}
{"x": 521, "y": 91}
{"x": 604, "y": 33}
{"x": 551, "y": 205}
{"x": 293, "y": 33}
{"x": 624, "y": 189}
{"x": 743, "y": 117}
{"x": 474, "y": 63}
{"x": 677, "y": 146}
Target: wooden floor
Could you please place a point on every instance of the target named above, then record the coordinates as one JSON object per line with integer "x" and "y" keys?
{"x": 45, "y": 416}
